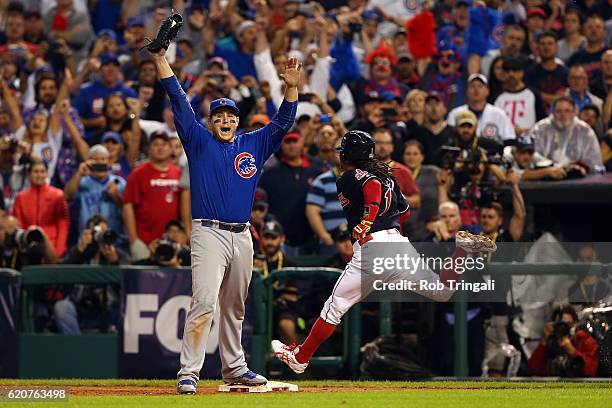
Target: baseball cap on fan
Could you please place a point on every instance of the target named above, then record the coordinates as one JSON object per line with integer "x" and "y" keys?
{"x": 525, "y": 143}
{"x": 478, "y": 77}
{"x": 466, "y": 116}
{"x": 261, "y": 198}
{"x": 273, "y": 228}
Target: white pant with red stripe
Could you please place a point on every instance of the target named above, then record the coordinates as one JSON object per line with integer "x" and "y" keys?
{"x": 349, "y": 290}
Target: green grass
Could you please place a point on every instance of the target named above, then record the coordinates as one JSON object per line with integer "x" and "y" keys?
{"x": 453, "y": 394}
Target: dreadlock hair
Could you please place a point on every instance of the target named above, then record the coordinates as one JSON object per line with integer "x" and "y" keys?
{"x": 377, "y": 167}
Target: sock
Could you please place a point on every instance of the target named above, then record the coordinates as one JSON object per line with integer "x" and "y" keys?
{"x": 450, "y": 274}
{"x": 320, "y": 332}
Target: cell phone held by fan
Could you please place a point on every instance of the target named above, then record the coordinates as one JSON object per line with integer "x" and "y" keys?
{"x": 98, "y": 167}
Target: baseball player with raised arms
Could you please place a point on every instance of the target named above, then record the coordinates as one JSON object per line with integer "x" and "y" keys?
{"x": 224, "y": 170}
{"x": 374, "y": 208}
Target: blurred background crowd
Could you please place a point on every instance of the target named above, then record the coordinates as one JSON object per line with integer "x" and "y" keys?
{"x": 466, "y": 99}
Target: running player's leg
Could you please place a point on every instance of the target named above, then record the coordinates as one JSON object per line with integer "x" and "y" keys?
{"x": 209, "y": 260}
{"x": 346, "y": 292}
{"x": 232, "y": 297}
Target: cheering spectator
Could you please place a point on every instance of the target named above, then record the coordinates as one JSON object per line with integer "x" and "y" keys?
{"x": 573, "y": 39}
{"x": 43, "y": 206}
{"x": 548, "y": 76}
{"x": 444, "y": 77}
{"x": 151, "y": 197}
{"x": 523, "y": 106}
{"x": 70, "y": 24}
{"x": 323, "y": 208}
{"x": 98, "y": 191}
{"x": 405, "y": 71}
{"x": 151, "y": 94}
{"x": 73, "y": 147}
{"x": 590, "y": 55}
{"x": 512, "y": 44}
{"x": 493, "y": 123}
{"x": 134, "y": 36}
{"x": 381, "y": 79}
{"x": 239, "y": 59}
{"x": 117, "y": 159}
{"x": 14, "y": 29}
{"x": 425, "y": 176}
{"x": 287, "y": 184}
{"x": 565, "y": 139}
{"x": 89, "y": 101}
{"x": 601, "y": 84}
{"x": 578, "y": 88}
{"x": 44, "y": 131}
{"x": 454, "y": 33}
{"x": 121, "y": 116}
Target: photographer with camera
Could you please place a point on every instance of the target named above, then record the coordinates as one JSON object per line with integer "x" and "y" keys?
{"x": 565, "y": 351}
{"x": 96, "y": 245}
{"x": 98, "y": 191}
{"x": 90, "y": 306}
{"x": 467, "y": 169}
{"x": 170, "y": 249}
{"x": 23, "y": 247}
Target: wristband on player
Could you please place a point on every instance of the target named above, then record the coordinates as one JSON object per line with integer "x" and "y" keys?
{"x": 362, "y": 229}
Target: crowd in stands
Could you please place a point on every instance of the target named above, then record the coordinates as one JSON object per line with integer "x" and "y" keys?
{"x": 463, "y": 98}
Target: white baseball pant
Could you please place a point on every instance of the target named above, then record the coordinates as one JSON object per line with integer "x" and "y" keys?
{"x": 349, "y": 290}
{"x": 221, "y": 268}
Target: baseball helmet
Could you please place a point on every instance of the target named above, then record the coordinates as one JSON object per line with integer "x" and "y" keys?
{"x": 356, "y": 145}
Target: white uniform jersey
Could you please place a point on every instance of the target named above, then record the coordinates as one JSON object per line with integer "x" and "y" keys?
{"x": 520, "y": 107}
{"x": 493, "y": 123}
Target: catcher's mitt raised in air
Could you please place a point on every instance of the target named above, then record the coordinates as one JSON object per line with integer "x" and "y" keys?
{"x": 167, "y": 31}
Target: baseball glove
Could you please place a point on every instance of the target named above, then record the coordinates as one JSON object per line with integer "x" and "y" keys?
{"x": 167, "y": 31}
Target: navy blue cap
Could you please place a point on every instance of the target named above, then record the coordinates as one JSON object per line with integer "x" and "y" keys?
{"x": 107, "y": 58}
{"x": 135, "y": 21}
{"x": 109, "y": 33}
{"x": 370, "y": 15}
{"x": 525, "y": 142}
{"x": 110, "y": 135}
{"x": 223, "y": 103}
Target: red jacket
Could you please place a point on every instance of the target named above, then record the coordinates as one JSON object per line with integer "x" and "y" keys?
{"x": 586, "y": 347}
{"x": 44, "y": 206}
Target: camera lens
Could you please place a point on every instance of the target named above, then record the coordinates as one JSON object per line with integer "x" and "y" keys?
{"x": 164, "y": 251}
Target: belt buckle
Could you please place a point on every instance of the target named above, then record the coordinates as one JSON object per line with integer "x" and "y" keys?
{"x": 215, "y": 224}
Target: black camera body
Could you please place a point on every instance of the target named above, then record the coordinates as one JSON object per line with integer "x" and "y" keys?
{"x": 107, "y": 236}
{"x": 23, "y": 239}
{"x": 166, "y": 249}
{"x": 561, "y": 363}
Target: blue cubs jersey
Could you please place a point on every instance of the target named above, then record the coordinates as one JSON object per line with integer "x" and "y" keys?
{"x": 223, "y": 176}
